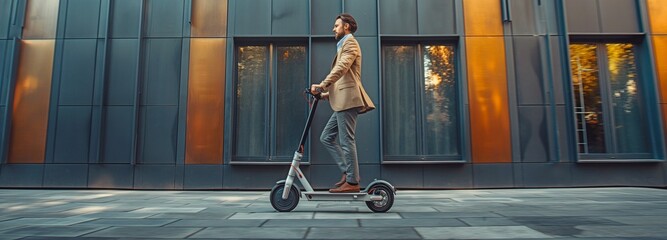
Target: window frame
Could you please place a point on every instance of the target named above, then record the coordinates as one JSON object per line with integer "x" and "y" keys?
{"x": 421, "y": 157}
{"x": 612, "y": 154}
{"x": 270, "y": 103}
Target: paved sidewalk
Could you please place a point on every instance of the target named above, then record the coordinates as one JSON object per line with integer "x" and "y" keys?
{"x": 575, "y": 213}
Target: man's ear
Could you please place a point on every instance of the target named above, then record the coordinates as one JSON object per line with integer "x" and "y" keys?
{"x": 346, "y": 26}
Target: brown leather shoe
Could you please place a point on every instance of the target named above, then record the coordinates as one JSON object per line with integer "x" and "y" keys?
{"x": 342, "y": 180}
{"x": 346, "y": 188}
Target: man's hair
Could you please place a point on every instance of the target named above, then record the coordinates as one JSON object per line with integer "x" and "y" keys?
{"x": 347, "y": 18}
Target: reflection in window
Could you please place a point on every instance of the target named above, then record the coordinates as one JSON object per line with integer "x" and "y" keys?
{"x": 267, "y": 123}
{"x": 607, "y": 99}
{"x": 420, "y": 111}
{"x": 251, "y": 100}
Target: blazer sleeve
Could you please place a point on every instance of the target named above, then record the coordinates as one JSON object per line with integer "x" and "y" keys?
{"x": 347, "y": 57}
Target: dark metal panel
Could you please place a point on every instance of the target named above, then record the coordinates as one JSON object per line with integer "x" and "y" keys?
{"x": 368, "y": 125}
{"x": 323, "y": 176}
{"x": 161, "y": 80}
{"x": 567, "y": 149}
{"x": 125, "y": 18}
{"x": 436, "y": 16}
{"x": 158, "y": 133}
{"x": 82, "y": 18}
{"x": 448, "y": 176}
{"x": 251, "y": 177}
{"x": 72, "y": 134}
{"x": 21, "y": 175}
{"x": 121, "y": 71}
{"x": 552, "y": 17}
{"x": 253, "y": 17}
{"x": 528, "y": 64}
{"x": 203, "y": 177}
{"x": 78, "y": 72}
{"x": 365, "y": 12}
{"x": 404, "y": 176}
{"x": 617, "y": 174}
{"x": 164, "y": 18}
{"x": 533, "y": 127}
{"x": 582, "y": 16}
{"x": 290, "y": 17}
{"x": 523, "y": 17}
{"x": 322, "y": 53}
{"x": 66, "y": 175}
{"x": 547, "y": 174}
{"x": 117, "y": 134}
{"x": 559, "y": 77}
{"x": 398, "y": 17}
{"x": 619, "y": 16}
{"x": 493, "y": 175}
{"x": 5, "y": 14}
{"x": 4, "y": 79}
{"x": 323, "y": 15}
{"x": 110, "y": 176}
{"x": 154, "y": 176}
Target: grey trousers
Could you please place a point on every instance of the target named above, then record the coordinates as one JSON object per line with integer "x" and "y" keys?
{"x": 338, "y": 139}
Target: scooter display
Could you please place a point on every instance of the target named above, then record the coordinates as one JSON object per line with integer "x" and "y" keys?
{"x": 285, "y": 195}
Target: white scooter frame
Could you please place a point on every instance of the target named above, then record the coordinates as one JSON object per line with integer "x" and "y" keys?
{"x": 378, "y": 195}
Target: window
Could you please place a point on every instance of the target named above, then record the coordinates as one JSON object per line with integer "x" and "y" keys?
{"x": 421, "y": 119}
{"x": 608, "y": 107}
{"x": 270, "y": 111}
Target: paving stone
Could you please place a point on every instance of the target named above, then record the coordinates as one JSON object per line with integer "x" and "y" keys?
{"x": 486, "y": 221}
{"x": 145, "y": 232}
{"x": 218, "y": 223}
{"x": 362, "y": 233}
{"x": 197, "y": 215}
{"x": 563, "y": 221}
{"x": 288, "y": 215}
{"x": 332, "y": 215}
{"x": 492, "y": 232}
{"x": 447, "y": 214}
{"x": 52, "y": 231}
{"x": 416, "y": 222}
{"x": 639, "y": 220}
{"x": 256, "y": 233}
{"x": 311, "y": 223}
{"x": 168, "y": 210}
{"x": 119, "y": 222}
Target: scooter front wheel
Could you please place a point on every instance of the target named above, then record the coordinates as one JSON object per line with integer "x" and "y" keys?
{"x": 284, "y": 205}
{"x": 387, "y": 198}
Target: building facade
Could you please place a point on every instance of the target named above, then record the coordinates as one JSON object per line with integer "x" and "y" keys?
{"x": 208, "y": 94}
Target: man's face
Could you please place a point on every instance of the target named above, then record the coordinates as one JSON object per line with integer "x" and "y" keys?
{"x": 339, "y": 28}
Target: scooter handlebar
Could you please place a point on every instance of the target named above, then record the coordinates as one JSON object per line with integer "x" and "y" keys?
{"x": 318, "y": 95}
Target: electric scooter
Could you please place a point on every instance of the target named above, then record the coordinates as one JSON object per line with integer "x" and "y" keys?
{"x": 378, "y": 195}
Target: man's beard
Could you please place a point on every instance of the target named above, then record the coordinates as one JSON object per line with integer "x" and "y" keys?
{"x": 339, "y": 36}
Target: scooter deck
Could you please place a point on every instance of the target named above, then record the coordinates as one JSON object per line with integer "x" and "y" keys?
{"x": 327, "y": 196}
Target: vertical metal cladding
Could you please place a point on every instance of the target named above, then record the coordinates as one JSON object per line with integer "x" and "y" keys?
{"x": 487, "y": 80}
{"x": 33, "y": 83}
{"x": 206, "y": 85}
{"x": 657, "y": 11}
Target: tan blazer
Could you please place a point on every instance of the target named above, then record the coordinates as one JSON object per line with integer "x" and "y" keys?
{"x": 344, "y": 81}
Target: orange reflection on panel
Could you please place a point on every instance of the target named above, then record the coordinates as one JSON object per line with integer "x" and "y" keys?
{"x": 660, "y": 54}
{"x": 209, "y": 18}
{"x": 30, "y": 113}
{"x": 41, "y": 19}
{"x": 657, "y": 12}
{"x": 206, "y": 98}
{"x": 489, "y": 110}
{"x": 482, "y": 17}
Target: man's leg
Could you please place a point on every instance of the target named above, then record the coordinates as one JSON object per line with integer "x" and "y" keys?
{"x": 329, "y": 139}
{"x": 347, "y": 123}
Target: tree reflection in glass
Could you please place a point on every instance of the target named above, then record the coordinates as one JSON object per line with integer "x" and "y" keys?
{"x": 440, "y": 103}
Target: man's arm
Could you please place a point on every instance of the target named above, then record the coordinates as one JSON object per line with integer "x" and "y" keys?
{"x": 347, "y": 57}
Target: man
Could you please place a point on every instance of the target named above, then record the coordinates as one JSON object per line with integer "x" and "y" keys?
{"x": 347, "y": 97}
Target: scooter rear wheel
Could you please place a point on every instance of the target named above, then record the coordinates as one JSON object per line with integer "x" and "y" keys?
{"x": 387, "y": 198}
{"x": 284, "y": 205}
